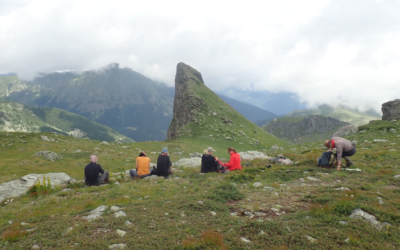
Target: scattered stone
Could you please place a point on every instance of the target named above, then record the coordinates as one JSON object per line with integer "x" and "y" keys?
{"x": 67, "y": 190}
{"x": 380, "y": 140}
{"x": 126, "y": 147}
{"x": 275, "y": 210}
{"x": 392, "y": 130}
{"x": 115, "y": 208}
{"x": 281, "y": 160}
{"x": 251, "y": 155}
{"x": 301, "y": 179}
{"x": 21, "y": 186}
{"x": 116, "y": 183}
{"x": 245, "y": 240}
{"x": 119, "y": 214}
{"x": 128, "y": 223}
{"x": 360, "y": 214}
{"x": 397, "y": 176}
{"x": 312, "y": 178}
{"x": 35, "y": 247}
{"x": 311, "y": 239}
{"x": 213, "y": 213}
{"x": 353, "y": 169}
{"x": 228, "y": 138}
{"x": 67, "y": 230}
{"x": 257, "y": 184}
{"x": 77, "y": 151}
{"x": 262, "y": 232}
{"x": 95, "y": 214}
{"x": 188, "y": 162}
{"x": 121, "y": 233}
{"x": 117, "y": 246}
{"x": 10, "y": 222}
{"x": 380, "y": 200}
{"x": 24, "y": 224}
{"x": 200, "y": 203}
{"x": 45, "y": 138}
{"x": 249, "y": 214}
{"x": 275, "y": 147}
{"x": 104, "y": 143}
{"x": 48, "y": 155}
{"x": 234, "y": 214}
{"x": 196, "y": 154}
{"x": 342, "y": 189}
{"x": 342, "y": 222}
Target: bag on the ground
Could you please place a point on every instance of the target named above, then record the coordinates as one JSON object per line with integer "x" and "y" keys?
{"x": 221, "y": 167}
{"x": 324, "y": 160}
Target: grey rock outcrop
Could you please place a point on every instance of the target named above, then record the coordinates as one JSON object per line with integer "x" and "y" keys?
{"x": 95, "y": 214}
{"x": 188, "y": 162}
{"x": 391, "y": 110}
{"x": 345, "y": 131}
{"x": 251, "y": 155}
{"x": 20, "y": 186}
{"x": 184, "y": 102}
{"x": 48, "y": 155}
{"x": 360, "y": 214}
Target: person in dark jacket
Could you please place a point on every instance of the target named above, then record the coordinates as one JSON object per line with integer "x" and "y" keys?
{"x": 164, "y": 164}
{"x": 209, "y": 163}
{"x": 94, "y": 174}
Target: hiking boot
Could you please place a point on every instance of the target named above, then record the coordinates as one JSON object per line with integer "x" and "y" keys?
{"x": 348, "y": 162}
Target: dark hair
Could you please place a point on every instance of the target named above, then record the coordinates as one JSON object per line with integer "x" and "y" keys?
{"x": 231, "y": 149}
{"x": 142, "y": 154}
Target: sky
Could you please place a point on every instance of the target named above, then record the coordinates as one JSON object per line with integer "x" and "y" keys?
{"x": 335, "y": 52}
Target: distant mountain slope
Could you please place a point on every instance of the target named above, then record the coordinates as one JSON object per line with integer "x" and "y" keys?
{"x": 119, "y": 98}
{"x": 251, "y": 112}
{"x": 342, "y": 113}
{"x": 201, "y": 114}
{"x": 15, "y": 117}
{"x": 304, "y": 129}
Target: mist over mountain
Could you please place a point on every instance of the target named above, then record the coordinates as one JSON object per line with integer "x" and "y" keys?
{"x": 119, "y": 98}
{"x": 277, "y": 103}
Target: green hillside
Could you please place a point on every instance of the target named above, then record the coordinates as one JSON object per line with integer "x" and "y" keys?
{"x": 341, "y": 113}
{"x": 297, "y": 206}
{"x": 15, "y": 117}
{"x": 200, "y": 114}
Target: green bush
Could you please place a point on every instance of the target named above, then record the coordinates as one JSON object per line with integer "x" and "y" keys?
{"x": 343, "y": 207}
{"x": 225, "y": 192}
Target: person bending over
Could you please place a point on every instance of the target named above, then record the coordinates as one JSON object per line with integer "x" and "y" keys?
{"x": 234, "y": 161}
{"x": 163, "y": 164}
{"x": 344, "y": 148}
{"x": 94, "y": 174}
{"x": 142, "y": 167}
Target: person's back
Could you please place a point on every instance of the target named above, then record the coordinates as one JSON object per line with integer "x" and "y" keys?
{"x": 143, "y": 165}
{"x": 163, "y": 164}
{"x": 94, "y": 174}
{"x": 209, "y": 164}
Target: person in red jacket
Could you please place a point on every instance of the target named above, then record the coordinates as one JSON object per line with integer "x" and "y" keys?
{"x": 234, "y": 161}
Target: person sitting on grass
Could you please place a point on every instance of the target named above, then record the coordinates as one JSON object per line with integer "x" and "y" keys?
{"x": 164, "y": 164}
{"x": 142, "y": 167}
{"x": 343, "y": 147}
{"x": 234, "y": 161}
{"x": 94, "y": 174}
{"x": 209, "y": 163}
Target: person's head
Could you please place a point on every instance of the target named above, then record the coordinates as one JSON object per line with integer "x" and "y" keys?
{"x": 210, "y": 150}
{"x": 205, "y": 151}
{"x": 231, "y": 150}
{"x": 164, "y": 151}
{"x": 142, "y": 154}
{"x": 93, "y": 158}
{"x": 328, "y": 143}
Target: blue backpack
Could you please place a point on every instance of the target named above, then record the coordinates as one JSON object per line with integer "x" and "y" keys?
{"x": 323, "y": 161}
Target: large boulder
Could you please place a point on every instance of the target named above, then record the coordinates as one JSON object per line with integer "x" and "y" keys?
{"x": 18, "y": 187}
{"x": 391, "y": 110}
{"x": 188, "y": 162}
{"x": 251, "y": 155}
{"x": 345, "y": 131}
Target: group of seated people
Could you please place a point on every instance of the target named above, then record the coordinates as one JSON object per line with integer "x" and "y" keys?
{"x": 95, "y": 175}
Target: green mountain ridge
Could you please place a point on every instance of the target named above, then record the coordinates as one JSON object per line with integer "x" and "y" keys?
{"x": 201, "y": 114}
{"x": 342, "y": 113}
{"x": 15, "y": 117}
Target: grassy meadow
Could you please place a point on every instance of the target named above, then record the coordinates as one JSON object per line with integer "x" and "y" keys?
{"x": 296, "y": 206}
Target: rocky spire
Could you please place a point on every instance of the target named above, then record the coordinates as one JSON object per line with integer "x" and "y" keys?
{"x": 186, "y": 103}
{"x": 391, "y": 110}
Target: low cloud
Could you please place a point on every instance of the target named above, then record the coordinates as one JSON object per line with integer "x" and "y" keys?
{"x": 336, "y": 52}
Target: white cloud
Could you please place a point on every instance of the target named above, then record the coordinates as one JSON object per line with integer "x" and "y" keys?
{"x": 325, "y": 51}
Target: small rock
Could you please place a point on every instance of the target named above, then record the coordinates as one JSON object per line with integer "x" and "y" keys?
{"x": 200, "y": 203}
{"x": 126, "y": 147}
{"x": 342, "y": 189}
{"x": 95, "y": 214}
{"x": 262, "y": 232}
{"x": 249, "y": 214}
{"x": 117, "y": 246}
{"x": 24, "y": 224}
{"x": 234, "y": 214}
{"x": 275, "y": 210}
{"x": 119, "y": 214}
{"x": 311, "y": 239}
{"x": 104, "y": 143}
{"x": 77, "y": 151}
{"x": 120, "y": 233}
{"x": 115, "y": 208}
{"x": 67, "y": 190}
{"x": 68, "y": 230}
{"x": 10, "y": 222}
{"x": 268, "y": 188}
{"x": 45, "y": 138}
{"x": 312, "y": 178}
{"x": 245, "y": 240}
{"x": 213, "y": 213}
{"x": 397, "y": 176}
{"x": 380, "y": 140}
{"x": 360, "y": 214}
{"x": 128, "y": 223}
{"x": 116, "y": 183}
{"x": 35, "y": 247}
{"x": 342, "y": 222}
{"x": 228, "y": 138}
{"x": 257, "y": 184}
{"x": 301, "y": 179}
{"x": 261, "y": 214}
{"x": 353, "y": 169}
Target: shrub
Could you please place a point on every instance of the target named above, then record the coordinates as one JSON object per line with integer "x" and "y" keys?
{"x": 12, "y": 235}
{"x": 76, "y": 185}
{"x": 225, "y": 192}
{"x": 343, "y": 207}
{"x": 41, "y": 187}
{"x": 240, "y": 178}
{"x": 209, "y": 240}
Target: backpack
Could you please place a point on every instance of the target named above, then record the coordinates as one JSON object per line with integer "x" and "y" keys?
{"x": 323, "y": 161}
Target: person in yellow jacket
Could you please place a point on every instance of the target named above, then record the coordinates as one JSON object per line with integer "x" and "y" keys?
{"x": 142, "y": 167}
